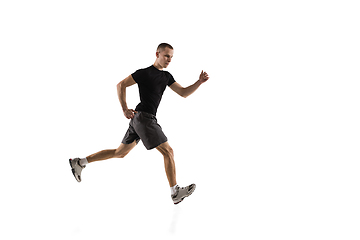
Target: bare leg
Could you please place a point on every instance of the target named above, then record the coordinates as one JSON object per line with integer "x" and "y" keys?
{"x": 169, "y": 162}
{"x": 120, "y": 152}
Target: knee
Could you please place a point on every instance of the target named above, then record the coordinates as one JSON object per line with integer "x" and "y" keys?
{"x": 169, "y": 152}
{"x": 165, "y": 150}
{"x": 120, "y": 154}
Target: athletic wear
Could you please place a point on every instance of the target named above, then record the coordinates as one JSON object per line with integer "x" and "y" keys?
{"x": 173, "y": 189}
{"x": 152, "y": 83}
{"x": 76, "y": 168}
{"x": 83, "y": 161}
{"x": 182, "y": 193}
{"x": 144, "y": 126}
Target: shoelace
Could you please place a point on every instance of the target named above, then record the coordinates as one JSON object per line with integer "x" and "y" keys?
{"x": 183, "y": 188}
{"x": 180, "y": 188}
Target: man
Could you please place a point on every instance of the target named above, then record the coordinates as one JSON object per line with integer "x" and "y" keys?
{"x": 152, "y": 82}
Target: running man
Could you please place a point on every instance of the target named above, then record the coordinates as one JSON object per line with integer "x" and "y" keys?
{"x": 152, "y": 82}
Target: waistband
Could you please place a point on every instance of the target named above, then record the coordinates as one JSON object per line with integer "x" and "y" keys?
{"x": 146, "y": 114}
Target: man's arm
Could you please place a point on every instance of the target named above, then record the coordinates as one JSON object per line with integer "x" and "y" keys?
{"x": 121, "y": 90}
{"x": 185, "y": 92}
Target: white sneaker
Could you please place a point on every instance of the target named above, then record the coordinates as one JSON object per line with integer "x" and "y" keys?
{"x": 182, "y": 193}
{"x": 76, "y": 168}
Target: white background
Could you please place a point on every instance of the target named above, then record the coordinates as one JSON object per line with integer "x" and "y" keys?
{"x": 271, "y": 140}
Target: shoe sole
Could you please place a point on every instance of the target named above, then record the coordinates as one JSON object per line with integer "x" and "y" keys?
{"x": 73, "y": 171}
{"x": 186, "y": 196}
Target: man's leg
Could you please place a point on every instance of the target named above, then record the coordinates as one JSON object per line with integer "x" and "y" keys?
{"x": 169, "y": 162}
{"x": 177, "y": 194}
{"x": 78, "y": 164}
{"x": 120, "y": 152}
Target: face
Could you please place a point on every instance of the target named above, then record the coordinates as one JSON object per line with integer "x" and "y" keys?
{"x": 164, "y": 57}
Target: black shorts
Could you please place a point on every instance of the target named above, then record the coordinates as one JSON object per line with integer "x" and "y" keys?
{"x": 144, "y": 126}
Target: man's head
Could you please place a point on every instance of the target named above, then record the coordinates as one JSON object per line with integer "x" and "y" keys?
{"x": 164, "y": 53}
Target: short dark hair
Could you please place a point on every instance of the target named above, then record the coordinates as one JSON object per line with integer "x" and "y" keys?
{"x": 162, "y": 47}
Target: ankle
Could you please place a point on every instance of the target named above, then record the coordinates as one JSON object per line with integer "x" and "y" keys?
{"x": 173, "y": 189}
{"x": 83, "y": 161}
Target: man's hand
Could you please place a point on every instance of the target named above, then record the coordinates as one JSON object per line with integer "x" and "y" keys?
{"x": 129, "y": 113}
{"x": 203, "y": 77}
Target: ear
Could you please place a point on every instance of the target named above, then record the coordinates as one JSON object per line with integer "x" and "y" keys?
{"x": 157, "y": 54}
